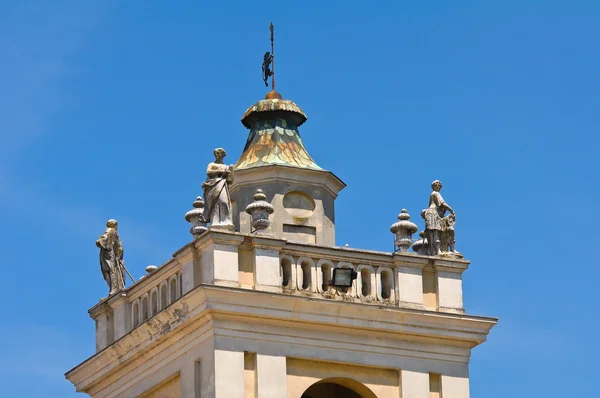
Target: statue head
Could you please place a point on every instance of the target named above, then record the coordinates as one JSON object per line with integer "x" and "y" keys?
{"x": 111, "y": 224}
{"x": 436, "y": 185}
{"x": 219, "y": 154}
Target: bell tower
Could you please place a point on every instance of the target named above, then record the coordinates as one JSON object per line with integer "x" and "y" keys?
{"x": 274, "y": 309}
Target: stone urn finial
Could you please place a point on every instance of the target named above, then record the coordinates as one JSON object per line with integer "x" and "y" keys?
{"x": 403, "y": 231}
{"x": 196, "y": 219}
{"x": 260, "y": 210}
{"x": 419, "y": 245}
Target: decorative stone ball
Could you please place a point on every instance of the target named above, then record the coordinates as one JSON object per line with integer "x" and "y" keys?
{"x": 260, "y": 210}
{"x": 403, "y": 231}
{"x": 151, "y": 268}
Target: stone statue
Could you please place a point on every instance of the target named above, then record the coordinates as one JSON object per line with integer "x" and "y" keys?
{"x": 111, "y": 257}
{"x": 439, "y": 230}
{"x": 217, "y": 207}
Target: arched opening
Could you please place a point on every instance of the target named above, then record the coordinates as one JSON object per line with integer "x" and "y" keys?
{"x": 173, "y": 288}
{"x": 286, "y": 272}
{"x": 163, "y": 297}
{"x": 154, "y": 302}
{"x": 326, "y": 274}
{"x": 338, "y": 388}
{"x": 136, "y": 314}
{"x": 306, "y": 275}
{"x": 386, "y": 284}
{"x": 144, "y": 308}
{"x": 365, "y": 279}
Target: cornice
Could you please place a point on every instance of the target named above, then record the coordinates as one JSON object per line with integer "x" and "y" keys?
{"x": 456, "y": 266}
{"x": 276, "y": 173}
{"x": 218, "y": 237}
{"x": 254, "y": 307}
{"x": 266, "y": 243}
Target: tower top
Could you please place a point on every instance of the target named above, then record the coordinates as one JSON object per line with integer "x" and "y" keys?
{"x": 274, "y": 138}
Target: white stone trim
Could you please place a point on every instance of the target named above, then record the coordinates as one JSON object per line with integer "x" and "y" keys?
{"x": 320, "y": 281}
{"x": 300, "y": 273}
{"x": 372, "y": 281}
{"x": 379, "y": 284}
{"x": 292, "y": 262}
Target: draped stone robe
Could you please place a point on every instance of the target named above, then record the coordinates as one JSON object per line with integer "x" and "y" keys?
{"x": 217, "y": 202}
{"x": 111, "y": 260}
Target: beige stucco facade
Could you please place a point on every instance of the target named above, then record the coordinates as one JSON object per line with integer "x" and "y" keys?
{"x": 219, "y": 320}
{"x": 252, "y": 314}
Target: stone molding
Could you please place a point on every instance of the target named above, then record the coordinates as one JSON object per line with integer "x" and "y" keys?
{"x": 267, "y": 243}
{"x": 412, "y": 261}
{"x": 218, "y": 237}
{"x": 100, "y": 309}
{"x": 210, "y": 310}
{"x": 288, "y": 174}
{"x": 456, "y": 266}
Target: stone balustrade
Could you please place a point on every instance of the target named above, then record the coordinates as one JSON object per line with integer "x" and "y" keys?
{"x": 129, "y": 308}
{"x": 274, "y": 265}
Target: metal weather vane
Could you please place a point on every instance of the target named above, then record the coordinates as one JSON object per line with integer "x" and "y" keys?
{"x": 268, "y": 66}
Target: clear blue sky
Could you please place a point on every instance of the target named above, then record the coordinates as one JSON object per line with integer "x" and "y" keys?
{"x": 112, "y": 109}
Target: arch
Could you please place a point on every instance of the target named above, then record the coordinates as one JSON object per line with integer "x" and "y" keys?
{"x": 385, "y": 284}
{"x": 324, "y": 272}
{"x": 135, "y": 313}
{"x": 145, "y": 306}
{"x": 351, "y": 292}
{"x": 287, "y": 275}
{"x": 338, "y": 387}
{"x": 365, "y": 282}
{"x": 154, "y": 302}
{"x": 305, "y": 267}
{"x": 164, "y": 295}
{"x": 173, "y": 292}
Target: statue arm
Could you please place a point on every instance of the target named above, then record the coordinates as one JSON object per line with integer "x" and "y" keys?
{"x": 101, "y": 242}
{"x": 230, "y": 173}
{"x": 440, "y": 202}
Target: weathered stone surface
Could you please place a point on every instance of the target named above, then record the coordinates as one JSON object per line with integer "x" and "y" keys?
{"x": 439, "y": 229}
{"x": 111, "y": 257}
{"x": 217, "y": 209}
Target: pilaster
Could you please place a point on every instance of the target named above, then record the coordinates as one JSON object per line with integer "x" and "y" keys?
{"x": 219, "y": 257}
{"x": 414, "y": 384}
{"x": 191, "y": 268}
{"x": 409, "y": 280}
{"x": 102, "y": 314}
{"x": 122, "y": 315}
{"x": 449, "y": 284}
{"x": 455, "y": 387}
{"x": 271, "y": 376}
{"x": 265, "y": 252}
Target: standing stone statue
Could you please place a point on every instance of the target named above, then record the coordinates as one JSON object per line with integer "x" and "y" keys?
{"x": 217, "y": 207}
{"x": 439, "y": 230}
{"x": 111, "y": 257}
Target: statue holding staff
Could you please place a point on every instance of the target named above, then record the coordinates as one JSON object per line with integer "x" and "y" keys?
{"x": 111, "y": 257}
